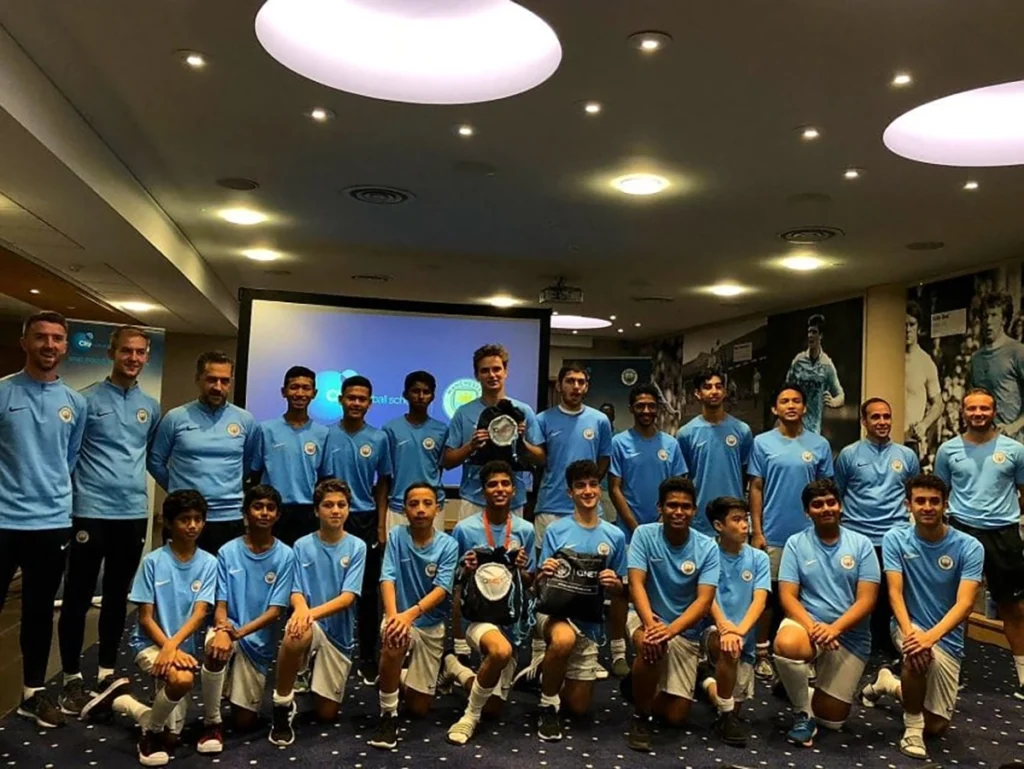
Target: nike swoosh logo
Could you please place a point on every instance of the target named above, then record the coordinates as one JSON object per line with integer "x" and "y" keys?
{"x": 910, "y": 556}
{"x": 161, "y": 584}
{"x": 103, "y": 413}
{"x": 554, "y": 433}
{"x": 402, "y": 443}
{"x": 233, "y": 571}
{"x": 277, "y": 445}
{"x": 631, "y": 454}
{"x": 811, "y": 562}
{"x": 307, "y": 565}
{"x": 17, "y": 408}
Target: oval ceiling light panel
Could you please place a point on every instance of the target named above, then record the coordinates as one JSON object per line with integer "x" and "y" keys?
{"x": 981, "y": 127}
{"x": 578, "y": 322}
{"x": 423, "y": 52}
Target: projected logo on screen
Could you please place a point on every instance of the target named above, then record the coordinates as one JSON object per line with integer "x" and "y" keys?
{"x": 458, "y": 392}
{"x": 325, "y": 407}
{"x": 81, "y": 340}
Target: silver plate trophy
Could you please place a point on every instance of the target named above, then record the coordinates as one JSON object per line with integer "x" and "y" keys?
{"x": 503, "y": 430}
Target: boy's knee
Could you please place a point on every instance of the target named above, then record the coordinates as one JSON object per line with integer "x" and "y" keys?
{"x": 179, "y": 680}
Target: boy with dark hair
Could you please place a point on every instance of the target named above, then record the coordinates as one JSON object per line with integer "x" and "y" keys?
{"x": 743, "y": 586}
{"x": 673, "y": 575}
{"x": 174, "y": 590}
{"x": 415, "y": 584}
{"x": 255, "y": 574}
{"x": 328, "y": 579}
{"x": 416, "y": 444}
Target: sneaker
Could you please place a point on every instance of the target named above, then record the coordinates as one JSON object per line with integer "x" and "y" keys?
{"x": 41, "y": 709}
{"x": 303, "y": 681}
{"x": 211, "y": 740}
{"x": 368, "y": 673}
{"x": 730, "y": 730}
{"x": 152, "y": 751}
{"x": 763, "y": 668}
{"x": 639, "y": 735}
{"x": 913, "y": 745}
{"x": 528, "y": 679}
{"x": 73, "y": 697}
{"x": 549, "y": 725}
{"x": 281, "y": 732}
{"x": 873, "y": 692}
{"x": 103, "y": 702}
{"x": 803, "y": 732}
{"x": 461, "y": 731}
{"x": 620, "y": 668}
{"x": 600, "y": 672}
{"x": 386, "y": 735}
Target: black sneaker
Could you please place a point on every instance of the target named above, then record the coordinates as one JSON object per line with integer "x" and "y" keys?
{"x": 639, "y": 736}
{"x": 102, "y": 703}
{"x": 151, "y": 749}
{"x": 281, "y": 731}
{"x": 368, "y": 673}
{"x": 73, "y": 697}
{"x": 41, "y": 709}
{"x": 386, "y": 736}
{"x": 730, "y": 730}
{"x": 549, "y": 725}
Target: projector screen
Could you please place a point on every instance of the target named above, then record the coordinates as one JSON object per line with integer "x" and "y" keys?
{"x": 338, "y": 337}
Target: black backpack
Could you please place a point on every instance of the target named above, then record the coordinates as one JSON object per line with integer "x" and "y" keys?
{"x": 573, "y": 592}
{"x": 494, "y": 592}
{"x": 490, "y": 450}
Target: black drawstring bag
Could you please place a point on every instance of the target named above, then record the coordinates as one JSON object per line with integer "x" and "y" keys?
{"x": 494, "y": 592}
{"x": 491, "y": 450}
{"x": 573, "y": 592}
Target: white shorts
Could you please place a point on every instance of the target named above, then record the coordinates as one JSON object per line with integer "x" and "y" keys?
{"x": 468, "y": 509}
{"x": 474, "y": 633}
{"x": 678, "y": 666}
{"x": 144, "y": 661}
{"x": 426, "y": 648}
{"x": 399, "y": 519}
{"x": 744, "y": 688}
{"x": 541, "y": 521}
{"x": 582, "y": 665}
{"x": 942, "y": 680}
{"x": 244, "y": 681}
{"x": 330, "y": 667}
{"x": 838, "y": 671}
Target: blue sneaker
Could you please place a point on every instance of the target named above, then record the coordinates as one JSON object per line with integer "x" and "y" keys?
{"x": 803, "y": 731}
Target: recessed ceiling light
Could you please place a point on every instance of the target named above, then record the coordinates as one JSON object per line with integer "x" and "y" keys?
{"x": 321, "y": 114}
{"x": 34, "y": 291}
{"x": 851, "y": 173}
{"x": 809, "y": 133}
{"x": 503, "y": 301}
{"x": 192, "y": 59}
{"x": 262, "y": 254}
{"x": 555, "y": 312}
{"x": 579, "y": 322}
{"x": 649, "y": 42}
{"x": 575, "y": 331}
{"x": 592, "y": 107}
{"x": 424, "y": 53}
{"x": 802, "y": 262}
{"x": 726, "y": 289}
{"x": 982, "y": 127}
{"x": 466, "y": 130}
{"x": 640, "y": 184}
{"x": 242, "y": 216}
{"x": 902, "y": 79}
{"x": 637, "y": 324}
{"x": 970, "y": 185}
{"x": 136, "y": 306}
{"x": 611, "y": 317}
{"x": 622, "y": 330}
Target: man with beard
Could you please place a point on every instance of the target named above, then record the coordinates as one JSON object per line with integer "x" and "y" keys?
{"x": 111, "y": 510}
{"x": 814, "y": 371}
{"x": 207, "y": 445}
{"x": 998, "y": 365}
{"x": 985, "y": 474}
{"x": 287, "y": 454}
{"x": 872, "y": 475}
{"x": 923, "y": 401}
{"x": 42, "y": 421}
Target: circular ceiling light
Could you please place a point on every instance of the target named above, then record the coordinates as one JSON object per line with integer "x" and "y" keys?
{"x": 466, "y": 130}
{"x": 809, "y": 133}
{"x": 982, "y": 127}
{"x": 321, "y": 114}
{"x": 802, "y": 263}
{"x": 726, "y": 289}
{"x": 592, "y": 107}
{"x": 902, "y": 79}
{"x": 851, "y": 173}
{"x": 242, "y": 216}
{"x": 437, "y": 52}
{"x": 192, "y": 59}
{"x": 640, "y": 184}
{"x": 136, "y": 306}
{"x": 970, "y": 185}
{"x": 649, "y": 42}
{"x": 578, "y": 322}
{"x": 503, "y": 301}
{"x": 262, "y": 254}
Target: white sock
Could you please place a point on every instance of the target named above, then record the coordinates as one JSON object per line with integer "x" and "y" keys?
{"x": 794, "y": 676}
{"x": 457, "y": 670}
{"x": 162, "y": 708}
{"x": 762, "y": 649}
{"x": 726, "y": 706}
{"x": 27, "y": 692}
{"x": 618, "y": 649}
{"x": 461, "y": 647}
{"x": 554, "y": 701}
{"x": 389, "y": 703}
{"x": 102, "y": 673}
{"x": 213, "y": 690}
{"x": 71, "y": 677}
{"x": 478, "y": 697}
{"x": 1018, "y": 662}
{"x": 914, "y": 723}
{"x": 127, "y": 705}
{"x": 283, "y": 699}
{"x": 706, "y": 685}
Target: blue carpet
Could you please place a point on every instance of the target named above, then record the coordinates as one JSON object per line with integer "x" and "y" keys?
{"x": 987, "y": 730}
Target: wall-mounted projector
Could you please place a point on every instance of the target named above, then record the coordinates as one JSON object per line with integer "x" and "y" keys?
{"x": 560, "y": 293}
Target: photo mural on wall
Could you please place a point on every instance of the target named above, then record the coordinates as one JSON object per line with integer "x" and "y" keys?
{"x": 963, "y": 332}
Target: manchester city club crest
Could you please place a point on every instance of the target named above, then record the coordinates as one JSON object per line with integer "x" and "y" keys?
{"x": 365, "y": 451}
{"x": 429, "y": 443}
{"x": 945, "y": 562}
{"x": 629, "y": 377}
{"x": 998, "y": 457}
{"x": 603, "y": 548}
{"x": 309, "y": 448}
{"x": 344, "y": 561}
{"x": 807, "y": 456}
{"x": 747, "y": 575}
{"x": 563, "y": 570}
{"x": 234, "y": 429}
{"x": 588, "y": 433}
{"x": 65, "y": 414}
{"x": 142, "y": 416}
{"x": 663, "y": 455}
{"x": 81, "y": 536}
{"x": 897, "y": 466}
{"x": 731, "y": 441}
{"x": 848, "y": 562}
{"x": 431, "y": 569}
{"x": 197, "y": 586}
{"x": 688, "y": 568}
{"x": 270, "y": 577}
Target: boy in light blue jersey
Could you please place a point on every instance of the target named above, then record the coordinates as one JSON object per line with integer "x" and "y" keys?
{"x": 985, "y": 474}
{"x": 208, "y": 445}
{"x": 934, "y": 573}
{"x": 357, "y": 453}
{"x": 642, "y": 457}
{"x": 744, "y": 584}
{"x": 494, "y": 527}
{"x": 111, "y": 510}
{"x": 673, "y": 576}
{"x": 871, "y": 475}
{"x": 41, "y": 425}
{"x": 255, "y": 575}
{"x": 828, "y": 584}
{"x": 416, "y": 443}
{"x": 816, "y": 374}
{"x": 716, "y": 448}
{"x": 568, "y": 668}
{"x": 328, "y": 579}
{"x": 174, "y": 589}
{"x": 288, "y": 453}
{"x": 416, "y": 584}
{"x": 490, "y": 367}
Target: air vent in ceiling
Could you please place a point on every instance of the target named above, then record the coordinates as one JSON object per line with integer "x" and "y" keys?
{"x": 652, "y": 299}
{"x": 372, "y": 278}
{"x": 806, "y": 236}
{"x": 379, "y": 196}
{"x": 926, "y": 245}
{"x": 238, "y": 183}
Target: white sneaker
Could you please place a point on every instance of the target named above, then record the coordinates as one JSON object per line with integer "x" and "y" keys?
{"x": 600, "y": 672}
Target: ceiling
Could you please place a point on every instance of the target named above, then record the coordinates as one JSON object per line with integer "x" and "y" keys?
{"x": 116, "y": 145}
